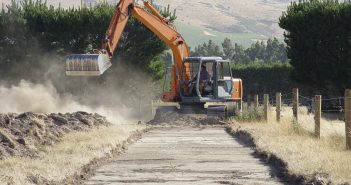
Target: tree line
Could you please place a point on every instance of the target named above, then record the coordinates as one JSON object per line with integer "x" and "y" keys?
{"x": 268, "y": 51}
{"x": 32, "y": 27}
{"x": 263, "y": 67}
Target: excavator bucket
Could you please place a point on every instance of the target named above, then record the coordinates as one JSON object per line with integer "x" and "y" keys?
{"x": 87, "y": 64}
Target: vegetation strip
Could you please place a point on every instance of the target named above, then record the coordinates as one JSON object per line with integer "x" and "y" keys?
{"x": 292, "y": 148}
{"x": 69, "y": 160}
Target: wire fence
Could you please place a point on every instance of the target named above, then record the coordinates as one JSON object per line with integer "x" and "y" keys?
{"x": 336, "y": 110}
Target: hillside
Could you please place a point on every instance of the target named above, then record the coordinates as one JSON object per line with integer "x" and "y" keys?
{"x": 243, "y": 21}
{"x": 234, "y": 16}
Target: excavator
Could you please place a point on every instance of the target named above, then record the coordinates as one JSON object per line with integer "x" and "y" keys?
{"x": 195, "y": 81}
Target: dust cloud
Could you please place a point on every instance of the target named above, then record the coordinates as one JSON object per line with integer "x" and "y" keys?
{"x": 44, "y": 98}
{"x": 38, "y": 83}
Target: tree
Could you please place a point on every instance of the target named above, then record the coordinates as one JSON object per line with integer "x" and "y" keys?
{"x": 207, "y": 49}
{"x": 239, "y": 55}
{"x": 318, "y": 39}
{"x": 275, "y": 51}
{"x": 228, "y": 49}
{"x": 256, "y": 52}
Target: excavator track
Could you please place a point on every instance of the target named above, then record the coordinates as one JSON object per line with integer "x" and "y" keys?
{"x": 220, "y": 111}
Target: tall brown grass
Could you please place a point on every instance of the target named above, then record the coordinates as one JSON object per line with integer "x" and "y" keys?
{"x": 294, "y": 142}
{"x": 61, "y": 160}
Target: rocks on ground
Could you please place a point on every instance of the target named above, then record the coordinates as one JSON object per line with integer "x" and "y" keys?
{"x": 24, "y": 134}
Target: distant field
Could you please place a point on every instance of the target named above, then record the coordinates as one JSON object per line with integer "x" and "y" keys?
{"x": 196, "y": 35}
{"x": 235, "y": 16}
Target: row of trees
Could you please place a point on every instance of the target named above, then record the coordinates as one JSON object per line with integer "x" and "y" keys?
{"x": 31, "y": 27}
{"x": 262, "y": 52}
{"x": 261, "y": 78}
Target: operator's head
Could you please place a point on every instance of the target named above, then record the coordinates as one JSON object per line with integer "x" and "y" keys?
{"x": 203, "y": 67}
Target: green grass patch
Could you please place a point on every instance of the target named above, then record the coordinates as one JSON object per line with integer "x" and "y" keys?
{"x": 249, "y": 116}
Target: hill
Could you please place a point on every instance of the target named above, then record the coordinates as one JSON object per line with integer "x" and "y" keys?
{"x": 243, "y": 21}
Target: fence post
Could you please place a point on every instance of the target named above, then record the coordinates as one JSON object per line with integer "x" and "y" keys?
{"x": 152, "y": 107}
{"x": 278, "y": 104}
{"x": 317, "y": 115}
{"x": 296, "y": 103}
{"x": 347, "y": 110}
{"x": 265, "y": 106}
{"x": 256, "y": 102}
{"x": 248, "y": 101}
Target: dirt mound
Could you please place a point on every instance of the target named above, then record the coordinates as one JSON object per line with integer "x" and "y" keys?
{"x": 24, "y": 134}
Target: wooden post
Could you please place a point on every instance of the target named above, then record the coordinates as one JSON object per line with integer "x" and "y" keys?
{"x": 317, "y": 115}
{"x": 347, "y": 110}
{"x": 152, "y": 107}
{"x": 265, "y": 106}
{"x": 256, "y": 102}
{"x": 248, "y": 101}
{"x": 278, "y": 104}
{"x": 296, "y": 103}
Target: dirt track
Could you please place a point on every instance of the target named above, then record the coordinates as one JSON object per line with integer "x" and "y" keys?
{"x": 186, "y": 156}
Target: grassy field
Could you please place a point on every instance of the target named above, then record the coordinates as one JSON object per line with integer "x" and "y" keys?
{"x": 62, "y": 160}
{"x": 259, "y": 16}
{"x": 196, "y": 35}
{"x": 296, "y": 145}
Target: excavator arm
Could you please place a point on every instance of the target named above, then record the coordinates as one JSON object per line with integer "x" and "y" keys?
{"x": 95, "y": 64}
{"x": 154, "y": 21}
{"x": 117, "y": 25}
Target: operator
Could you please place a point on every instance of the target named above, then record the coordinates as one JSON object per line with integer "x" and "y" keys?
{"x": 204, "y": 79}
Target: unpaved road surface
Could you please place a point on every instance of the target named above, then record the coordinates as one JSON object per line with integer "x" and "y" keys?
{"x": 186, "y": 156}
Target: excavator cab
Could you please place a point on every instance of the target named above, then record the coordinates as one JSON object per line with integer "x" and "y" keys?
{"x": 208, "y": 80}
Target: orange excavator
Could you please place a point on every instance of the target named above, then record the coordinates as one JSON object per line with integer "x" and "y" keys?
{"x": 195, "y": 80}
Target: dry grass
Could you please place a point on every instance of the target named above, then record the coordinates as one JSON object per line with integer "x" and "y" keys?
{"x": 57, "y": 162}
{"x": 296, "y": 145}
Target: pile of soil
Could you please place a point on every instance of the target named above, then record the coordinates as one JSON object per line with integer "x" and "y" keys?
{"x": 24, "y": 134}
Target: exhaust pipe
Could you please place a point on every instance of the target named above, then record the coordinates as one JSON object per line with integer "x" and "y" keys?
{"x": 87, "y": 64}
